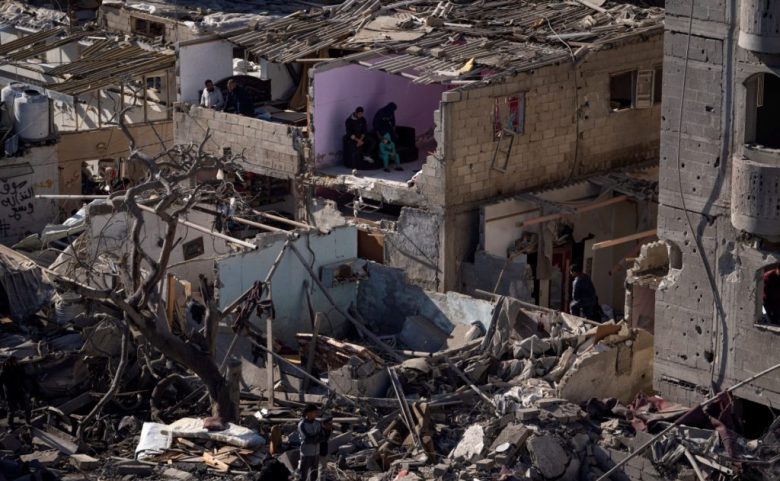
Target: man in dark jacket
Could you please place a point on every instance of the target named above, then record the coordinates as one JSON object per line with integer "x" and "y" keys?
{"x": 357, "y": 128}
{"x": 238, "y": 100}
{"x": 13, "y": 390}
{"x": 584, "y": 302}
{"x": 384, "y": 122}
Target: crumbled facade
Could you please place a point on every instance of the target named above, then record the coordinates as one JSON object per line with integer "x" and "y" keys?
{"x": 580, "y": 113}
{"x": 718, "y": 198}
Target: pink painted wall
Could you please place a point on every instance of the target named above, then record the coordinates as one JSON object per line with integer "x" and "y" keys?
{"x": 339, "y": 90}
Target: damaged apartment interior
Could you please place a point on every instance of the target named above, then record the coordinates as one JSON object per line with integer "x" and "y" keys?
{"x": 389, "y": 240}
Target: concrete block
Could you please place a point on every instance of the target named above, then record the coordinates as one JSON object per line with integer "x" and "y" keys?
{"x": 451, "y": 96}
{"x": 548, "y": 456}
{"x": 177, "y": 474}
{"x": 83, "y": 462}
{"x": 471, "y": 445}
{"x": 514, "y": 434}
{"x": 440, "y": 470}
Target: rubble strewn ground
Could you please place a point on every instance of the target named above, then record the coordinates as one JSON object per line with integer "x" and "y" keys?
{"x": 488, "y": 409}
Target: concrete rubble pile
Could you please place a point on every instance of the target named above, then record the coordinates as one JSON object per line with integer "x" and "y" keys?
{"x": 538, "y": 395}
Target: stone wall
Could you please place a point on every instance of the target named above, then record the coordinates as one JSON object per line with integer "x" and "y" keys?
{"x": 269, "y": 148}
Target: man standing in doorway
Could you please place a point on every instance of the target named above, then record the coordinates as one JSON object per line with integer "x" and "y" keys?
{"x": 584, "y": 302}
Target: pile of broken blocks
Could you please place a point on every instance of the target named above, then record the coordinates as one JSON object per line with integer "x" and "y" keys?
{"x": 528, "y": 399}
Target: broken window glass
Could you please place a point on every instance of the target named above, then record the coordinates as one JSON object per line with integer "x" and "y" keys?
{"x": 509, "y": 115}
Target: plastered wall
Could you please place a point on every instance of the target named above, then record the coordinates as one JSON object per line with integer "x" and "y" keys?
{"x": 21, "y": 179}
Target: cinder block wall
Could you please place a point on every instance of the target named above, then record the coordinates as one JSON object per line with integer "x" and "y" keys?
{"x": 116, "y": 18}
{"x": 269, "y": 148}
{"x": 545, "y": 153}
{"x": 707, "y": 336}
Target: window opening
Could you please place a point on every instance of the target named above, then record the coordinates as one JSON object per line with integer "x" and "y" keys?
{"x": 621, "y": 90}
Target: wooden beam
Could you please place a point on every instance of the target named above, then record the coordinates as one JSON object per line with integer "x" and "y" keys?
{"x": 312, "y": 349}
{"x": 587, "y": 208}
{"x": 624, "y": 239}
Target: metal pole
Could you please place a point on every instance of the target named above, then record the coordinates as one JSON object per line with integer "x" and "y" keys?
{"x": 282, "y": 219}
{"x": 241, "y": 220}
{"x": 655, "y": 438}
{"x": 69, "y": 196}
{"x": 269, "y": 362}
{"x": 187, "y": 223}
{"x": 205, "y": 230}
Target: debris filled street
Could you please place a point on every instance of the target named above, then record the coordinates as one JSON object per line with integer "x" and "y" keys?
{"x": 378, "y": 240}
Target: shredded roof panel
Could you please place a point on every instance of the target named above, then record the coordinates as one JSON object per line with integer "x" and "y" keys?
{"x": 500, "y": 36}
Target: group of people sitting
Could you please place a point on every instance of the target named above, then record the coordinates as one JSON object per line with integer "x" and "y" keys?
{"x": 237, "y": 101}
{"x": 363, "y": 143}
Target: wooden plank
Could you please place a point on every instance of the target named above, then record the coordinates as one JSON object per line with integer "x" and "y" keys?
{"x": 624, "y": 239}
{"x": 587, "y": 208}
{"x": 310, "y": 352}
{"x": 215, "y": 463}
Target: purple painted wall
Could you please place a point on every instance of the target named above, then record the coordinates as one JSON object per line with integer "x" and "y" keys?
{"x": 338, "y": 91}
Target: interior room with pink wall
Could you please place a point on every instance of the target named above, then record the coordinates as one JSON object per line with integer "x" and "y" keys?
{"x": 338, "y": 91}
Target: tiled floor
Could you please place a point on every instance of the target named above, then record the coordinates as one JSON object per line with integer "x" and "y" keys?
{"x": 410, "y": 168}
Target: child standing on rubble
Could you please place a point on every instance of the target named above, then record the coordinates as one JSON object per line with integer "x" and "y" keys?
{"x": 312, "y": 432}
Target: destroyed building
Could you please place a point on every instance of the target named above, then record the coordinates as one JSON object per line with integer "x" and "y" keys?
{"x": 494, "y": 102}
{"x": 177, "y": 324}
{"x": 62, "y": 95}
{"x": 718, "y": 215}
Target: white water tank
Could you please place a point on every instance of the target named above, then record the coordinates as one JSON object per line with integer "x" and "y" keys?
{"x": 31, "y": 116}
{"x": 8, "y": 95}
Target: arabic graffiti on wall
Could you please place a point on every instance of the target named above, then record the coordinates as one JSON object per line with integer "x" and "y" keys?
{"x": 35, "y": 172}
{"x": 16, "y": 197}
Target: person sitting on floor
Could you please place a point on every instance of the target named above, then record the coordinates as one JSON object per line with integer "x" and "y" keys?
{"x": 211, "y": 98}
{"x": 384, "y": 122}
{"x": 387, "y": 151}
{"x": 357, "y": 130}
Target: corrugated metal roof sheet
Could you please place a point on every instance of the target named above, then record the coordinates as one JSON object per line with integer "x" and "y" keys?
{"x": 501, "y": 36}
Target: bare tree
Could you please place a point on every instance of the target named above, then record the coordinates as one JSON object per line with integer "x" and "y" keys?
{"x": 169, "y": 190}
